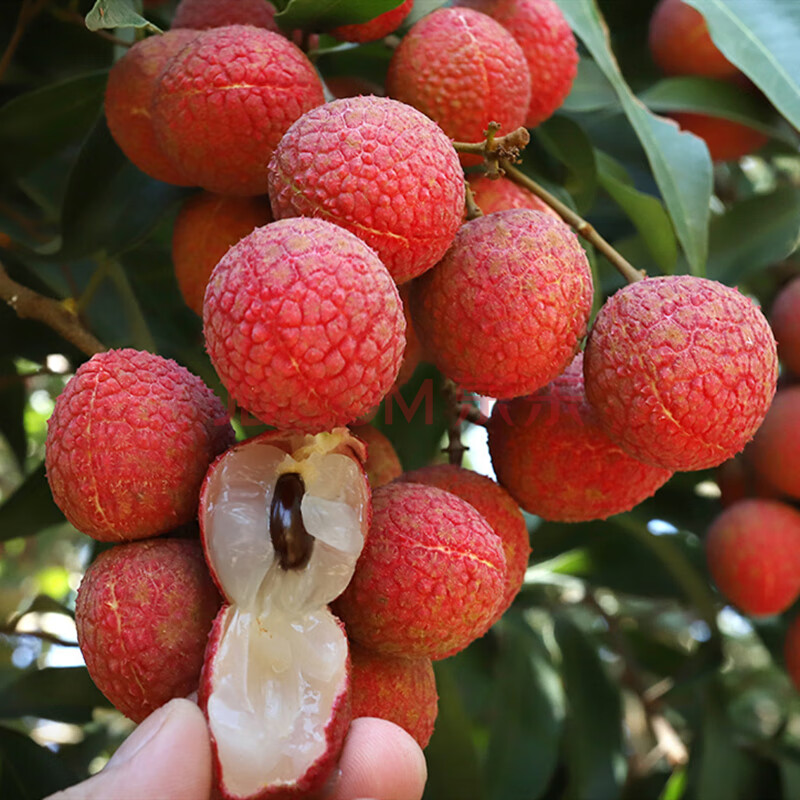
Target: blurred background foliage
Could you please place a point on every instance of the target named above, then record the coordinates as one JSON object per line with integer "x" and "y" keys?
{"x": 617, "y": 644}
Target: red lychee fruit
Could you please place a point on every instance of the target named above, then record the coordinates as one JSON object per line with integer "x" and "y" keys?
{"x": 206, "y": 226}
{"x": 129, "y": 443}
{"x": 550, "y": 453}
{"x": 351, "y": 86}
{"x": 791, "y": 652}
{"x": 131, "y": 87}
{"x": 304, "y": 325}
{"x": 402, "y": 690}
{"x": 223, "y": 103}
{"x": 680, "y": 370}
{"x": 379, "y": 168}
{"x": 738, "y": 479}
{"x": 726, "y": 140}
{"x": 775, "y": 449}
{"x": 785, "y": 322}
{"x": 204, "y": 14}
{"x": 753, "y": 553}
{"x": 502, "y": 194}
{"x": 550, "y": 49}
{"x": 412, "y": 355}
{"x": 463, "y": 70}
{"x": 383, "y": 464}
{"x": 283, "y": 519}
{"x": 505, "y": 310}
{"x": 430, "y": 577}
{"x": 143, "y": 613}
{"x": 376, "y": 28}
{"x": 497, "y": 507}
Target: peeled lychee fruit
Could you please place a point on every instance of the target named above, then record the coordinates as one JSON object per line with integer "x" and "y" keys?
{"x": 206, "y": 226}
{"x": 204, "y": 14}
{"x": 726, "y": 140}
{"x": 382, "y": 465}
{"x": 131, "y": 87}
{"x": 775, "y": 450}
{"x": 502, "y": 194}
{"x": 143, "y": 613}
{"x": 402, "y": 690}
{"x": 223, "y": 103}
{"x": 376, "y": 28}
{"x": 550, "y": 49}
{"x": 283, "y": 520}
{"x": 430, "y": 577}
{"x": 549, "y": 451}
{"x": 497, "y": 507}
{"x": 791, "y": 652}
{"x": 785, "y": 322}
{"x": 129, "y": 443}
{"x": 505, "y": 310}
{"x": 753, "y": 553}
{"x": 304, "y": 325}
{"x": 379, "y": 168}
{"x": 463, "y": 70}
{"x": 680, "y": 370}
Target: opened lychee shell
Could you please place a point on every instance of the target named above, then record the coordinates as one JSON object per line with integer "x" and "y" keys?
{"x": 283, "y": 520}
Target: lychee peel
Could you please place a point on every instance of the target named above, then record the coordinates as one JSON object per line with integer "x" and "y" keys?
{"x": 129, "y": 443}
{"x": 680, "y": 370}
{"x": 502, "y": 194}
{"x": 304, "y": 325}
{"x": 505, "y": 310}
{"x": 382, "y": 464}
{"x": 143, "y": 612}
{"x": 204, "y": 14}
{"x": 378, "y": 168}
{"x": 785, "y": 321}
{"x": 376, "y": 28}
{"x": 775, "y": 449}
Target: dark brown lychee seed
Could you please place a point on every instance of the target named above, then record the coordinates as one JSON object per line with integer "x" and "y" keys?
{"x": 292, "y": 542}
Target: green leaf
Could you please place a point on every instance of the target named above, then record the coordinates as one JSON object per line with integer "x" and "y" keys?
{"x": 37, "y": 125}
{"x": 761, "y": 38}
{"x": 790, "y": 778}
{"x": 593, "y": 733}
{"x": 680, "y": 162}
{"x": 30, "y": 509}
{"x": 591, "y": 90}
{"x": 321, "y": 15}
{"x": 421, "y": 9}
{"x": 12, "y": 409}
{"x": 675, "y": 787}
{"x": 28, "y": 771}
{"x": 109, "y": 14}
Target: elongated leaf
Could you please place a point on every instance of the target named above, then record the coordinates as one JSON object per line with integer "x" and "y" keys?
{"x": 718, "y": 774}
{"x": 320, "y": 15}
{"x": 591, "y": 90}
{"x": 761, "y": 38}
{"x": 422, "y": 8}
{"x": 30, "y": 509}
{"x": 680, "y": 162}
{"x": 109, "y": 14}
{"x": 12, "y": 408}
{"x": 28, "y": 771}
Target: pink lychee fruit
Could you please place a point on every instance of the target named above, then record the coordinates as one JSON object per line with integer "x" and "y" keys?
{"x": 502, "y": 194}
{"x": 223, "y": 103}
{"x": 204, "y": 14}
{"x": 131, "y": 87}
{"x": 463, "y": 70}
{"x": 505, "y": 310}
{"x": 785, "y": 321}
{"x": 376, "y": 28}
{"x": 550, "y": 49}
{"x": 143, "y": 613}
{"x": 206, "y": 226}
{"x": 497, "y": 507}
{"x": 283, "y": 520}
{"x": 379, "y": 168}
{"x": 402, "y": 690}
{"x": 753, "y": 554}
{"x": 430, "y": 577}
{"x": 680, "y": 370}
{"x": 412, "y": 355}
{"x": 383, "y": 464}
{"x": 304, "y": 325}
{"x": 129, "y": 442}
{"x": 775, "y": 449}
{"x": 551, "y": 454}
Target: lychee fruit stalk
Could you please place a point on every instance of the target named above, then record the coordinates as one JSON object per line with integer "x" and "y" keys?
{"x": 283, "y": 520}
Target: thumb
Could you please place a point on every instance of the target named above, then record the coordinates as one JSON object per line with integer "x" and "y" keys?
{"x": 168, "y": 757}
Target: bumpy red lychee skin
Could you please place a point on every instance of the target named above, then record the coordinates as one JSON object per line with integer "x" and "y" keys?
{"x": 753, "y": 553}
{"x": 791, "y": 652}
{"x": 132, "y": 84}
{"x": 376, "y": 28}
{"x": 204, "y": 14}
{"x": 129, "y": 443}
{"x": 775, "y": 449}
{"x": 726, "y": 140}
{"x": 430, "y": 577}
{"x": 402, "y": 690}
{"x": 382, "y": 465}
{"x": 681, "y": 44}
{"x": 463, "y": 70}
{"x": 379, "y": 168}
{"x": 304, "y": 325}
{"x": 502, "y": 194}
{"x": 505, "y": 310}
{"x": 550, "y": 453}
{"x": 223, "y": 103}
{"x": 143, "y": 613}
{"x": 543, "y": 33}
{"x": 785, "y": 321}
{"x": 206, "y": 226}
{"x": 680, "y": 370}
{"x": 412, "y": 355}
{"x": 497, "y": 507}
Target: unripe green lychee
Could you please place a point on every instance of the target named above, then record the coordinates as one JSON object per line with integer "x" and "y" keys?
{"x": 775, "y": 449}
{"x": 785, "y": 321}
{"x": 204, "y": 14}
{"x": 376, "y": 28}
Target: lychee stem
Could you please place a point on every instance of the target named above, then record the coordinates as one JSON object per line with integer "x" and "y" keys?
{"x": 473, "y": 210}
{"x": 455, "y": 447}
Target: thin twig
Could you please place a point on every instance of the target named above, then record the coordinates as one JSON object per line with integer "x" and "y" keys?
{"x": 473, "y": 209}
{"x": 455, "y": 447}
{"x": 474, "y": 415}
{"x": 28, "y": 10}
